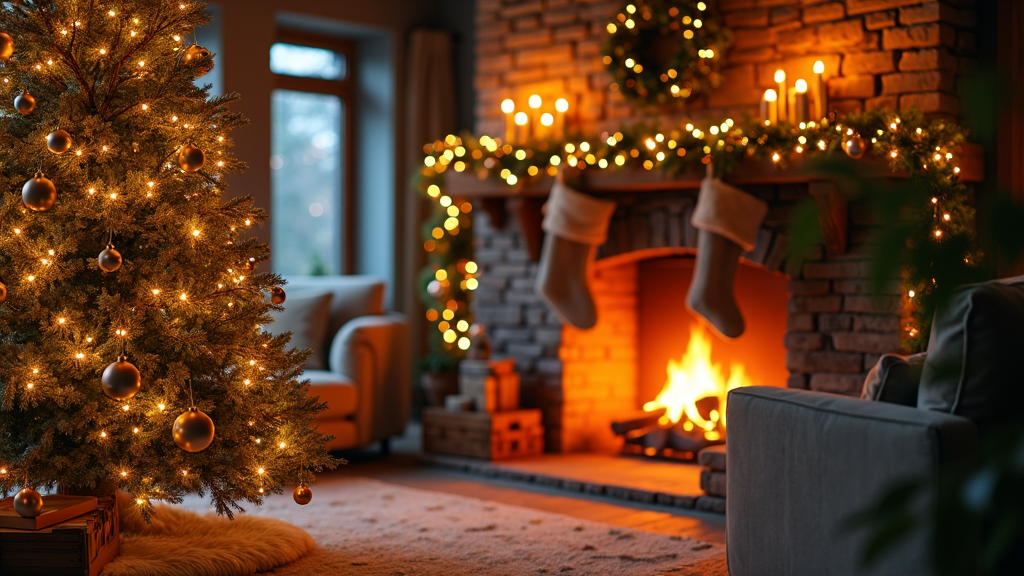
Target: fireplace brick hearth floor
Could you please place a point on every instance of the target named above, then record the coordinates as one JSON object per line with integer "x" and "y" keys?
{"x": 620, "y": 477}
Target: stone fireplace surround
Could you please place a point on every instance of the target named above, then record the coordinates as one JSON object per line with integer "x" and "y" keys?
{"x": 889, "y": 53}
{"x": 582, "y": 380}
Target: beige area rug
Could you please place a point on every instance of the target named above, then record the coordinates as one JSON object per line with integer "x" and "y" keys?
{"x": 367, "y": 527}
{"x": 180, "y": 542}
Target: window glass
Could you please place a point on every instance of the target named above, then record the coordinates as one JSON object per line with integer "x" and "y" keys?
{"x": 306, "y": 182}
{"x": 307, "y": 62}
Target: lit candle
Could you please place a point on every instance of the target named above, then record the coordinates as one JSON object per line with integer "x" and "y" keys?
{"x": 547, "y": 120}
{"x": 523, "y": 122}
{"x": 508, "y": 107}
{"x": 535, "y": 102}
{"x": 770, "y": 106}
{"x": 561, "y": 107}
{"x": 780, "y": 78}
{"x": 800, "y": 101}
{"x": 820, "y": 101}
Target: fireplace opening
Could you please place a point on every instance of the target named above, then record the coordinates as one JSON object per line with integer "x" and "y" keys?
{"x": 685, "y": 371}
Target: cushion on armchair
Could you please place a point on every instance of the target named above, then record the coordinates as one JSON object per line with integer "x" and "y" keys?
{"x": 894, "y": 379}
{"x": 305, "y": 316}
{"x": 353, "y": 296}
{"x": 975, "y": 364}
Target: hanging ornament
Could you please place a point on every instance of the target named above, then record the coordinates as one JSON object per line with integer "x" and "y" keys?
{"x": 277, "y": 295}
{"x": 39, "y": 193}
{"x": 199, "y": 57}
{"x": 59, "y": 141}
{"x": 302, "y": 494}
{"x": 191, "y": 158}
{"x": 855, "y": 147}
{"x": 6, "y": 46}
{"x": 3, "y": 293}
{"x": 121, "y": 380}
{"x": 110, "y": 259}
{"x": 193, "y": 430}
{"x": 28, "y": 503}
{"x": 25, "y": 103}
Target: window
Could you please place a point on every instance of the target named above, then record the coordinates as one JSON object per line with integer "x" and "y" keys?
{"x": 310, "y": 137}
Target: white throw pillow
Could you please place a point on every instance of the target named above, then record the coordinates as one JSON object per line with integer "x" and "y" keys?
{"x": 306, "y": 316}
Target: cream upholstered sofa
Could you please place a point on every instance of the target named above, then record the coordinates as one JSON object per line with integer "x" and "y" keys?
{"x": 361, "y": 365}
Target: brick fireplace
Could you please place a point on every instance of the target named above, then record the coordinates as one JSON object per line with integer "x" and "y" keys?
{"x": 892, "y": 53}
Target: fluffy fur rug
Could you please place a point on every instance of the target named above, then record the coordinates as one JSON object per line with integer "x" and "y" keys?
{"x": 181, "y": 542}
{"x": 367, "y": 527}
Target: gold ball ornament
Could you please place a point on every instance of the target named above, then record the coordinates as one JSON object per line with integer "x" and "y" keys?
{"x": 121, "y": 380}
{"x": 110, "y": 259}
{"x": 302, "y": 494}
{"x": 59, "y": 141}
{"x": 199, "y": 57}
{"x": 855, "y": 147}
{"x": 39, "y": 193}
{"x": 28, "y": 503}
{"x": 193, "y": 430}
{"x": 6, "y": 46}
{"x": 191, "y": 158}
{"x": 277, "y": 295}
{"x": 25, "y": 103}
{"x": 3, "y": 293}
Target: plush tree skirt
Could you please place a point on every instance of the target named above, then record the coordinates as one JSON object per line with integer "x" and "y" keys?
{"x": 364, "y": 526}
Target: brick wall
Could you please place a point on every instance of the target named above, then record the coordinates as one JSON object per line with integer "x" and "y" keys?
{"x": 893, "y": 53}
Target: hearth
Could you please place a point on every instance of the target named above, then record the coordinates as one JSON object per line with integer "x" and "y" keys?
{"x": 822, "y": 328}
{"x": 685, "y": 371}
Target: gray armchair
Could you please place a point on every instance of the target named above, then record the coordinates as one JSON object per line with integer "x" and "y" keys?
{"x": 801, "y": 463}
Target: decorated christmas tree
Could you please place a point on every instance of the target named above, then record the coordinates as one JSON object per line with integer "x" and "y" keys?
{"x": 133, "y": 353}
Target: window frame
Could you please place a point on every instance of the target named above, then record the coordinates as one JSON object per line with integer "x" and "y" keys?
{"x": 345, "y": 90}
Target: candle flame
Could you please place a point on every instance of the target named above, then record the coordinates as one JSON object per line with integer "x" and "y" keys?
{"x": 508, "y": 106}
{"x": 770, "y": 95}
{"x": 801, "y": 86}
{"x": 819, "y": 67}
{"x": 780, "y": 75}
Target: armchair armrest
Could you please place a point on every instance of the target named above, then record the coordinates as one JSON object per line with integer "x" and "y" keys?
{"x": 374, "y": 352}
{"x": 801, "y": 463}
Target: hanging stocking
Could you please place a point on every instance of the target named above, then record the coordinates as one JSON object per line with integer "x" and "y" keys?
{"x": 728, "y": 219}
{"x": 576, "y": 224}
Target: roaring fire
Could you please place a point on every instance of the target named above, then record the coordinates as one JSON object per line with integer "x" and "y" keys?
{"x": 694, "y": 378}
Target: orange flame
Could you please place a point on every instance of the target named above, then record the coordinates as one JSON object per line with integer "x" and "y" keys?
{"x": 693, "y": 378}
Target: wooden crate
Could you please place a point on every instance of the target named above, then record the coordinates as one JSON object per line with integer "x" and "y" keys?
{"x": 491, "y": 436}
{"x": 81, "y": 546}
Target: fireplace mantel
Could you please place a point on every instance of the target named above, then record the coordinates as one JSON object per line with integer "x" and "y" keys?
{"x": 525, "y": 200}
{"x": 749, "y": 172}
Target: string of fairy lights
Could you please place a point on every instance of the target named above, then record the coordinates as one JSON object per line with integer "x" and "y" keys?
{"x": 178, "y": 298}
{"x": 923, "y": 150}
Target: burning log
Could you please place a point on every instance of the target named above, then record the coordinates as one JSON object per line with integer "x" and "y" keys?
{"x": 636, "y": 421}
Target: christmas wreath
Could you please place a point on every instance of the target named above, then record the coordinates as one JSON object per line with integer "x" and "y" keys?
{"x": 663, "y": 52}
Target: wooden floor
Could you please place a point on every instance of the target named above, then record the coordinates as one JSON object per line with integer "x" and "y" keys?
{"x": 401, "y": 468}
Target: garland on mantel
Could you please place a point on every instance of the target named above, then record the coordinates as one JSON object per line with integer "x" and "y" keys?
{"x": 926, "y": 215}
